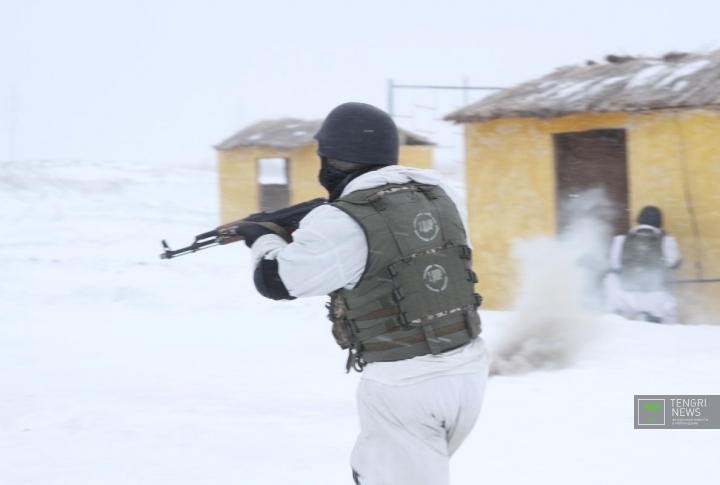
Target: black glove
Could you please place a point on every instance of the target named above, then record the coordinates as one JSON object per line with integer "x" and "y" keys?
{"x": 251, "y": 232}
{"x": 268, "y": 281}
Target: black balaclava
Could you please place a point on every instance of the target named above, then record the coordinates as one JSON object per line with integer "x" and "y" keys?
{"x": 650, "y": 216}
{"x": 336, "y": 174}
{"x": 355, "y": 138}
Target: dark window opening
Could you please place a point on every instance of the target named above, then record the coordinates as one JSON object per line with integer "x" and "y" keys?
{"x": 588, "y": 163}
{"x": 273, "y": 183}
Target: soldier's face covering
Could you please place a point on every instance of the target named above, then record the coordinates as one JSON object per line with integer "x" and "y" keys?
{"x": 330, "y": 177}
{"x": 335, "y": 179}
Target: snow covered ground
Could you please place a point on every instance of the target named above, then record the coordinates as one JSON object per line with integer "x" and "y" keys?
{"x": 119, "y": 368}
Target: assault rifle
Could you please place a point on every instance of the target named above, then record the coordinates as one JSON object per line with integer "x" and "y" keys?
{"x": 282, "y": 222}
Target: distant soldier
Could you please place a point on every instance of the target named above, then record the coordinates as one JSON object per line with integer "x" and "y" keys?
{"x": 641, "y": 262}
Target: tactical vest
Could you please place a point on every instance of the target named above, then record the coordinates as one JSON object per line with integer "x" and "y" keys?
{"x": 641, "y": 264}
{"x": 416, "y": 296}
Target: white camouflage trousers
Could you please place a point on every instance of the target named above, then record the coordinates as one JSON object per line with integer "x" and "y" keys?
{"x": 408, "y": 433}
{"x": 658, "y": 304}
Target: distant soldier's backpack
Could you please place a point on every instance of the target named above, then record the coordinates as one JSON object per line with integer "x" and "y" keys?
{"x": 642, "y": 265}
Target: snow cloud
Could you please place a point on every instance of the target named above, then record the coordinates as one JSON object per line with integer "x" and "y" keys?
{"x": 556, "y": 312}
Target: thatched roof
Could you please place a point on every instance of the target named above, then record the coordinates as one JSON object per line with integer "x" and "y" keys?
{"x": 283, "y": 134}
{"x": 288, "y": 134}
{"x": 410, "y": 138}
{"x": 677, "y": 80}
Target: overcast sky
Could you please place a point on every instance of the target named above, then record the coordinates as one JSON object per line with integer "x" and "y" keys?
{"x": 164, "y": 80}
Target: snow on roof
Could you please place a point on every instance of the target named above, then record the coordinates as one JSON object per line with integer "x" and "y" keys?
{"x": 282, "y": 134}
{"x": 677, "y": 80}
{"x": 288, "y": 134}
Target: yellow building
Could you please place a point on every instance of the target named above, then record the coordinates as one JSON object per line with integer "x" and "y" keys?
{"x": 645, "y": 130}
{"x": 273, "y": 164}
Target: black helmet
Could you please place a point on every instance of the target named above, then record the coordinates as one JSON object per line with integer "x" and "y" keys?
{"x": 651, "y": 216}
{"x": 360, "y": 133}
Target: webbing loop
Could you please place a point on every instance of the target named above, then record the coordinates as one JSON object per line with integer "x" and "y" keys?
{"x": 379, "y": 204}
{"x": 402, "y": 319}
{"x": 473, "y": 329}
{"x": 427, "y": 191}
{"x": 392, "y": 270}
{"x": 431, "y": 339}
{"x": 471, "y": 276}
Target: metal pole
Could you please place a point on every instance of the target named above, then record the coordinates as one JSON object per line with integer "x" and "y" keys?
{"x": 465, "y": 91}
{"x": 419, "y": 86}
{"x": 390, "y": 97}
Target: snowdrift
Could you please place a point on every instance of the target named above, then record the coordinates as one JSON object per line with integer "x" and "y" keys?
{"x": 117, "y": 367}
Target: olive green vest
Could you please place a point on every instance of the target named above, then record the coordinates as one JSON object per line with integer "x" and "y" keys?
{"x": 641, "y": 264}
{"x": 416, "y": 296}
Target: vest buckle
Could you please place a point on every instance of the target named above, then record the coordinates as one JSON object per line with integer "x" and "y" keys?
{"x": 427, "y": 191}
{"x": 402, "y": 319}
{"x": 377, "y": 202}
{"x": 478, "y": 299}
{"x": 392, "y": 270}
{"x": 397, "y": 295}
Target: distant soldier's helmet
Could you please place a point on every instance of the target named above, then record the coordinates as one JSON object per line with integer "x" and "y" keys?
{"x": 651, "y": 216}
{"x": 359, "y": 133}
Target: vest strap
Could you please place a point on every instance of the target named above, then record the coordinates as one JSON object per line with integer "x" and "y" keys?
{"x": 369, "y": 285}
{"x": 385, "y": 325}
{"x": 427, "y": 191}
{"x": 432, "y": 339}
{"x": 413, "y": 339}
{"x": 380, "y": 304}
{"x": 472, "y": 323}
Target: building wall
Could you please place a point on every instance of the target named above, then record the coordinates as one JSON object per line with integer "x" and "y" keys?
{"x": 673, "y": 157}
{"x": 237, "y": 176}
{"x": 510, "y": 180}
{"x": 304, "y": 170}
{"x": 237, "y": 173}
{"x": 675, "y": 165}
{"x": 419, "y": 156}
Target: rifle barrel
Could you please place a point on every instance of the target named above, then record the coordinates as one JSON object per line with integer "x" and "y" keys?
{"x": 194, "y": 247}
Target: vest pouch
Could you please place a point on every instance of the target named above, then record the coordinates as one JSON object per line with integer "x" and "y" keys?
{"x": 434, "y": 283}
{"x": 642, "y": 267}
{"x": 434, "y": 305}
{"x": 448, "y": 332}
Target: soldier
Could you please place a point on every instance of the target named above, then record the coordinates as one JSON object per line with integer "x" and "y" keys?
{"x": 641, "y": 262}
{"x": 392, "y": 251}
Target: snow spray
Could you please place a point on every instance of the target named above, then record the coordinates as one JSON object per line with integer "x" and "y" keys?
{"x": 560, "y": 291}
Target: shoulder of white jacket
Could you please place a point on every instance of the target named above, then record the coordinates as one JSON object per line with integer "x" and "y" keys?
{"x": 646, "y": 226}
{"x": 322, "y": 212}
{"x": 393, "y": 174}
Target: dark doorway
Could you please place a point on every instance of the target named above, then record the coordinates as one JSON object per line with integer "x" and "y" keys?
{"x": 273, "y": 183}
{"x": 588, "y": 163}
